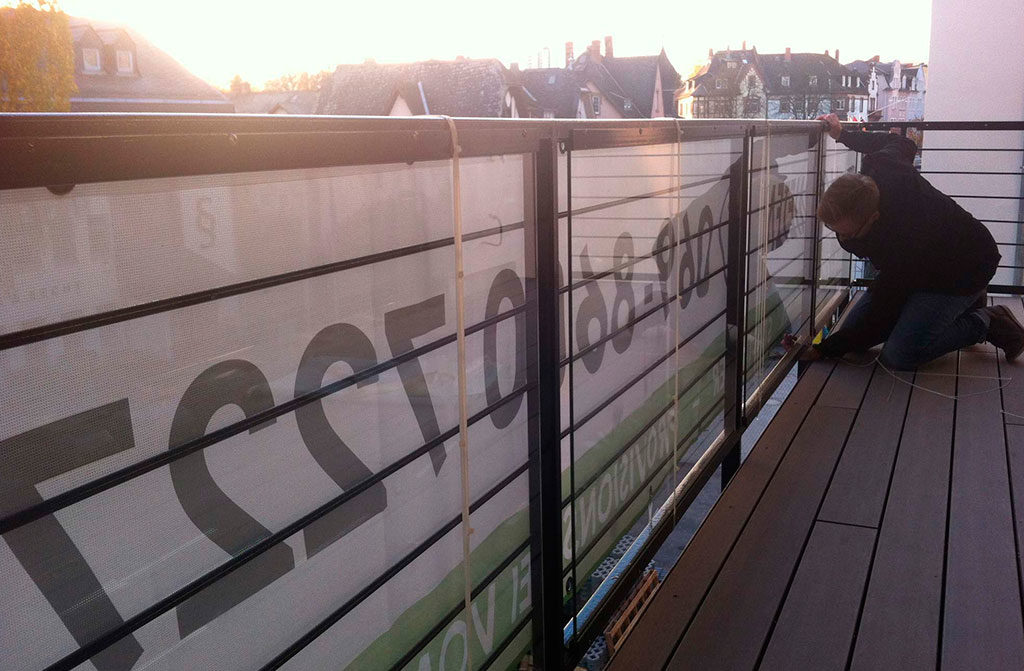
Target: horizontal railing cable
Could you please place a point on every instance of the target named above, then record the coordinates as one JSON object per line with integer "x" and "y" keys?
{"x": 454, "y": 612}
{"x": 715, "y": 408}
{"x": 596, "y": 410}
{"x": 181, "y": 595}
{"x": 82, "y": 492}
{"x": 47, "y": 331}
{"x": 164, "y": 605}
{"x": 640, "y": 432}
{"x": 639, "y": 318}
{"x": 391, "y": 572}
{"x": 493, "y": 657}
{"x": 635, "y": 260}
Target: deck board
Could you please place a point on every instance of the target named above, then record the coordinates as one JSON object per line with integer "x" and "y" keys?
{"x": 907, "y": 571}
{"x": 874, "y": 525}
{"x": 982, "y": 626}
{"x": 732, "y": 624}
{"x": 680, "y": 595}
{"x": 857, "y": 492}
{"x": 845, "y": 387}
{"x": 1013, "y": 392}
{"x": 815, "y": 628}
{"x": 1015, "y": 451}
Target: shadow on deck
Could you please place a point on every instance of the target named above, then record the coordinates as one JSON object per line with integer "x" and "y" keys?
{"x": 873, "y": 526}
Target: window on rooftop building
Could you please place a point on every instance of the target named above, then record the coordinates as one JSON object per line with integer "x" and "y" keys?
{"x": 719, "y": 83}
{"x": 785, "y": 80}
{"x": 731, "y": 64}
{"x": 125, "y": 66}
{"x": 812, "y": 80}
{"x": 91, "y": 60}
{"x": 595, "y": 105}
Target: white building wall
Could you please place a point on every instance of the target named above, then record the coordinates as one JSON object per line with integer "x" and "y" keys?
{"x": 608, "y": 111}
{"x": 976, "y": 73}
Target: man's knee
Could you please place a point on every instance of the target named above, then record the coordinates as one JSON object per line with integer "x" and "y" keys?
{"x": 903, "y": 356}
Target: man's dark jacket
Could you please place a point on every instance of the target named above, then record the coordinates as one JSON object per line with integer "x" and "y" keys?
{"x": 922, "y": 241}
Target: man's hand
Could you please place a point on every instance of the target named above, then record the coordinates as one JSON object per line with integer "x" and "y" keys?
{"x": 834, "y": 127}
{"x": 789, "y": 341}
{"x": 810, "y": 354}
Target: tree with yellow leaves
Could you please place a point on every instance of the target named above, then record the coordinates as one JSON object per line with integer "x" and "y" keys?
{"x": 37, "y": 66}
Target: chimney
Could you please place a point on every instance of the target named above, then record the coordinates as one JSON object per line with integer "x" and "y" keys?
{"x": 608, "y": 46}
{"x": 594, "y": 51}
{"x": 789, "y": 54}
{"x": 826, "y": 53}
{"x": 568, "y": 53}
{"x": 744, "y": 45}
{"x": 837, "y": 54}
{"x": 711, "y": 53}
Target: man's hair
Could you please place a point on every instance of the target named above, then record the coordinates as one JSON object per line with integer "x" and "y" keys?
{"x": 850, "y": 195}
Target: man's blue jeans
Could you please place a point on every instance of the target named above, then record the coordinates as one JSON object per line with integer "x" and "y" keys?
{"x": 929, "y": 325}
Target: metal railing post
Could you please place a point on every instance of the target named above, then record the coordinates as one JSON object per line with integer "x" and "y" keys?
{"x": 1018, "y": 273}
{"x": 736, "y": 307}
{"x": 545, "y": 420}
{"x": 819, "y": 183}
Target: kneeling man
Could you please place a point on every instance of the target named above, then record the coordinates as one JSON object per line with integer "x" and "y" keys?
{"x": 934, "y": 260}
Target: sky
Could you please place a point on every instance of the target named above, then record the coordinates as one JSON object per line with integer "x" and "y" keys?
{"x": 217, "y": 39}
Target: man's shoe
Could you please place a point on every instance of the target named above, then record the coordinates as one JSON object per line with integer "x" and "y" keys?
{"x": 1004, "y": 331}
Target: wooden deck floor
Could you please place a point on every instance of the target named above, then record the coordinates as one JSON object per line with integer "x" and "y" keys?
{"x": 875, "y": 525}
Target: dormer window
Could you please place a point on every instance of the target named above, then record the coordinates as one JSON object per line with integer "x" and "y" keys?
{"x": 858, "y": 82}
{"x": 719, "y": 83}
{"x": 731, "y": 64}
{"x": 812, "y": 80}
{"x": 595, "y": 105}
{"x": 125, "y": 62}
{"x": 91, "y": 60}
{"x": 785, "y": 80}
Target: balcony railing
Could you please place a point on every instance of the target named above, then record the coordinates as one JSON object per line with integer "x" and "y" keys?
{"x": 380, "y": 393}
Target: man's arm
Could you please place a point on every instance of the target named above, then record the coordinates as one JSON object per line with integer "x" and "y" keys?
{"x": 871, "y": 324}
{"x": 897, "y": 147}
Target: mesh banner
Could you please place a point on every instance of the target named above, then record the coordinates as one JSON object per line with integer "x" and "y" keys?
{"x": 647, "y": 253}
{"x": 275, "y": 380}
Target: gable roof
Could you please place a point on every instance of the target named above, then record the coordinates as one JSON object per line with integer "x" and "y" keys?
{"x": 636, "y": 75}
{"x": 628, "y": 83}
{"x": 276, "y": 102}
{"x": 158, "y": 76}
{"x": 464, "y": 87}
{"x": 799, "y": 67}
{"x": 729, "y": 67}
{"x": 555, "y": 90}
